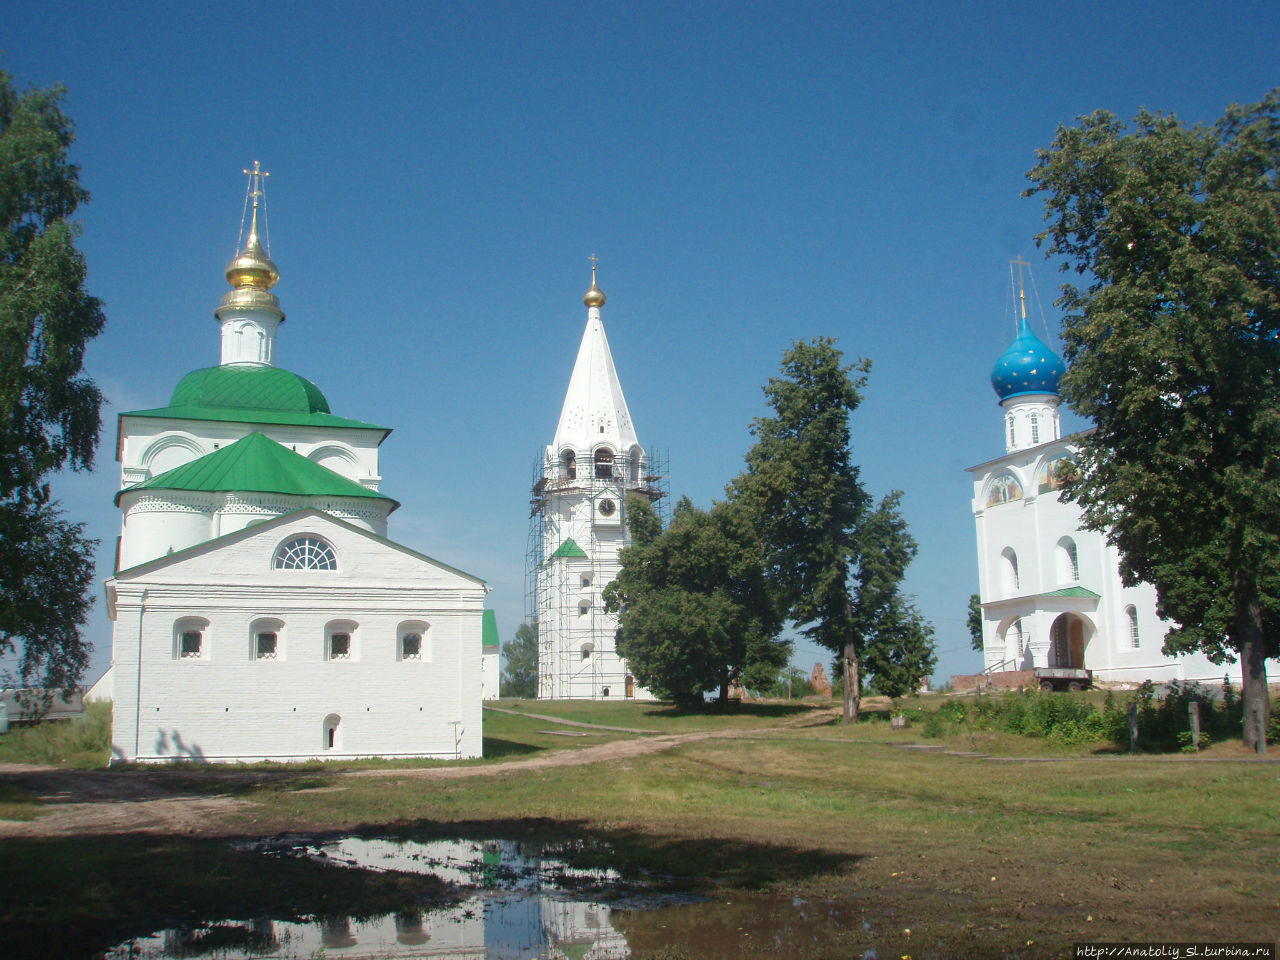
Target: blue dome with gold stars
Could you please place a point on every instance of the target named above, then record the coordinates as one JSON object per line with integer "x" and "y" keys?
{"x": 1028, "y": 366}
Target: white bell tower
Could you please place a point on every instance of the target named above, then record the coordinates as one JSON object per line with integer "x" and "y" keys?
{"x": 579, "y": 524}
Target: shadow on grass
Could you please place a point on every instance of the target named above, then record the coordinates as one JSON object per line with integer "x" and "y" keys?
{"x": 78, "y": 896}
{"x": 131, "y": 886}
{"x": 734, "y": 708}
{"x": 494, "y": 747}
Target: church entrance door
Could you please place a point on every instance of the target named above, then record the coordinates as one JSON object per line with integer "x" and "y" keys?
{"x": 1068, "y": 646}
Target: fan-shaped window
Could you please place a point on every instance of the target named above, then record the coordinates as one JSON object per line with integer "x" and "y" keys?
{"x": 305, "y": 553}
{"x": 1004, "y": 488}
{"x": 1131, "y": 616}
{"x": 604, "y": 464}
{"x": 1068, "y": 561}
{"x": 1009, "y": 570}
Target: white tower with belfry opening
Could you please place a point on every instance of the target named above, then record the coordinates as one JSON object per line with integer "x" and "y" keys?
{"x": 579, "y": 524}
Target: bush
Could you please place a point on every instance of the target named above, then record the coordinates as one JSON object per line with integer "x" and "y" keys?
{"x": 1163, "y": 723}
{"x": 83, "y": 741}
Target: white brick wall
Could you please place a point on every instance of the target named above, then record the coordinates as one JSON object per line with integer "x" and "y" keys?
{"x": 227, "y": 705}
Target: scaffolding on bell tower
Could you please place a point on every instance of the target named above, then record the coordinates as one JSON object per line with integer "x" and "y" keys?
{"x": 577, "y": 525}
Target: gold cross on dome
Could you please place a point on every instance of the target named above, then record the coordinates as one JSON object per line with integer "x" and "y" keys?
{"x": 257, "y": 173}
{"x": 594, "y": 260}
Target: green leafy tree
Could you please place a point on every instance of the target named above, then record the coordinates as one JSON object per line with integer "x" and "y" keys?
{"x": 49, "y": 416}
{"x": 1173, "y": 343}
{"x": 975, "y": 621}
{"x": 899, "y": 653}
{"x": 520, "y": 676}
{"x": 693, "y": 607}
{"x": 834, "y": 561}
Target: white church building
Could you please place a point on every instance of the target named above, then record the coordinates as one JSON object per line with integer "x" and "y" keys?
{"x": 1050, "y": 590}
{"x": 579, "y": 525}
{"x": 259, "y": 610}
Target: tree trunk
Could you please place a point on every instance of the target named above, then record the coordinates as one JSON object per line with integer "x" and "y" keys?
{"x": 1248, "y": 639}
{"x": 852, "y": 683}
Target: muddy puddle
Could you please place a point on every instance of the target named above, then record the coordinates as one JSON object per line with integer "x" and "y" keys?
{"x": 518, "y": 904}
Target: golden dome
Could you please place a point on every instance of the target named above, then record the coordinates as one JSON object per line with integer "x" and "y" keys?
{"x": 594, "y": 296}
{"x": 252, "y": 267}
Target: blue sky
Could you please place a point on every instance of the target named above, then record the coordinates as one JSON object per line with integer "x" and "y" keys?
{"x": 749, "y": 175}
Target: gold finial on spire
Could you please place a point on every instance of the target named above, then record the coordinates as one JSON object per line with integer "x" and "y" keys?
{"x": 594, "y": 296}
{"x": 252, "y": 266}
{"x": 1022, "y": 296}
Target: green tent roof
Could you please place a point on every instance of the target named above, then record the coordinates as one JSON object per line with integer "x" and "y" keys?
{"x": 257, "y": 463}
{"x": 568, "y": 549}
{"x": 489, "y": 630}
{"x": 250, "y": 393}
{"x": 1073, "y": 592}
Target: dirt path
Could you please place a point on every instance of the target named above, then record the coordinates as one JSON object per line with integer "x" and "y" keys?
{"x": 79, "y": 802}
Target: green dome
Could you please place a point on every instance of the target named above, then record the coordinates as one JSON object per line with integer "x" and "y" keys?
{"x": 255, "y": 387}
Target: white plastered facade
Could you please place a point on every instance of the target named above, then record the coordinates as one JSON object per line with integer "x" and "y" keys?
{"x": 219, "y": 698}
{"x": 1051, "y": 591}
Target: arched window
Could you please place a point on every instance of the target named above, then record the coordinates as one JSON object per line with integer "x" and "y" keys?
{"x": 568, "y": 466}
{"x": 588, "y": 648}
{"x": 305, "y": 553}
{"x": 604, "y": 464}
{"x": 266, "y": 636}
{"x": 584, "y": 607}
{"x": 1004, "y": 489}
{"x": 190, "y": 639}
{"x": 636, "y": 468}
{"x": 1055, "y": 473}
{"x": 340, "y": 640}
{"x": 1013, "y": 436}
{"x": 1131, "y": 617}
{"x": 412, "y": 637}
{"x": 1015, "y": 639}
{"x": 1068, "y": 561}
{"x": 1035, "y": 428}
{"x": 332, "y": 732}
{"x": 1009, "y": 569}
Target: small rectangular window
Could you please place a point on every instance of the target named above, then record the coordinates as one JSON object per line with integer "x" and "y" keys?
{"x": 340, "y": 646}
{"x": 191, "y": 643}
{"x": 586, "y": 579}
{"x": 411, "y": 646}
{"x": 267, "y": 645}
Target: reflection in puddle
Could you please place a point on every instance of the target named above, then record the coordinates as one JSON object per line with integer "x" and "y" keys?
{"x": 523, "y": 903}
{"x": 523, "y": 907}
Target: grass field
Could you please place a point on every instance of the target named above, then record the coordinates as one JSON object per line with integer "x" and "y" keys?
{"x": 919, "y": 853}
